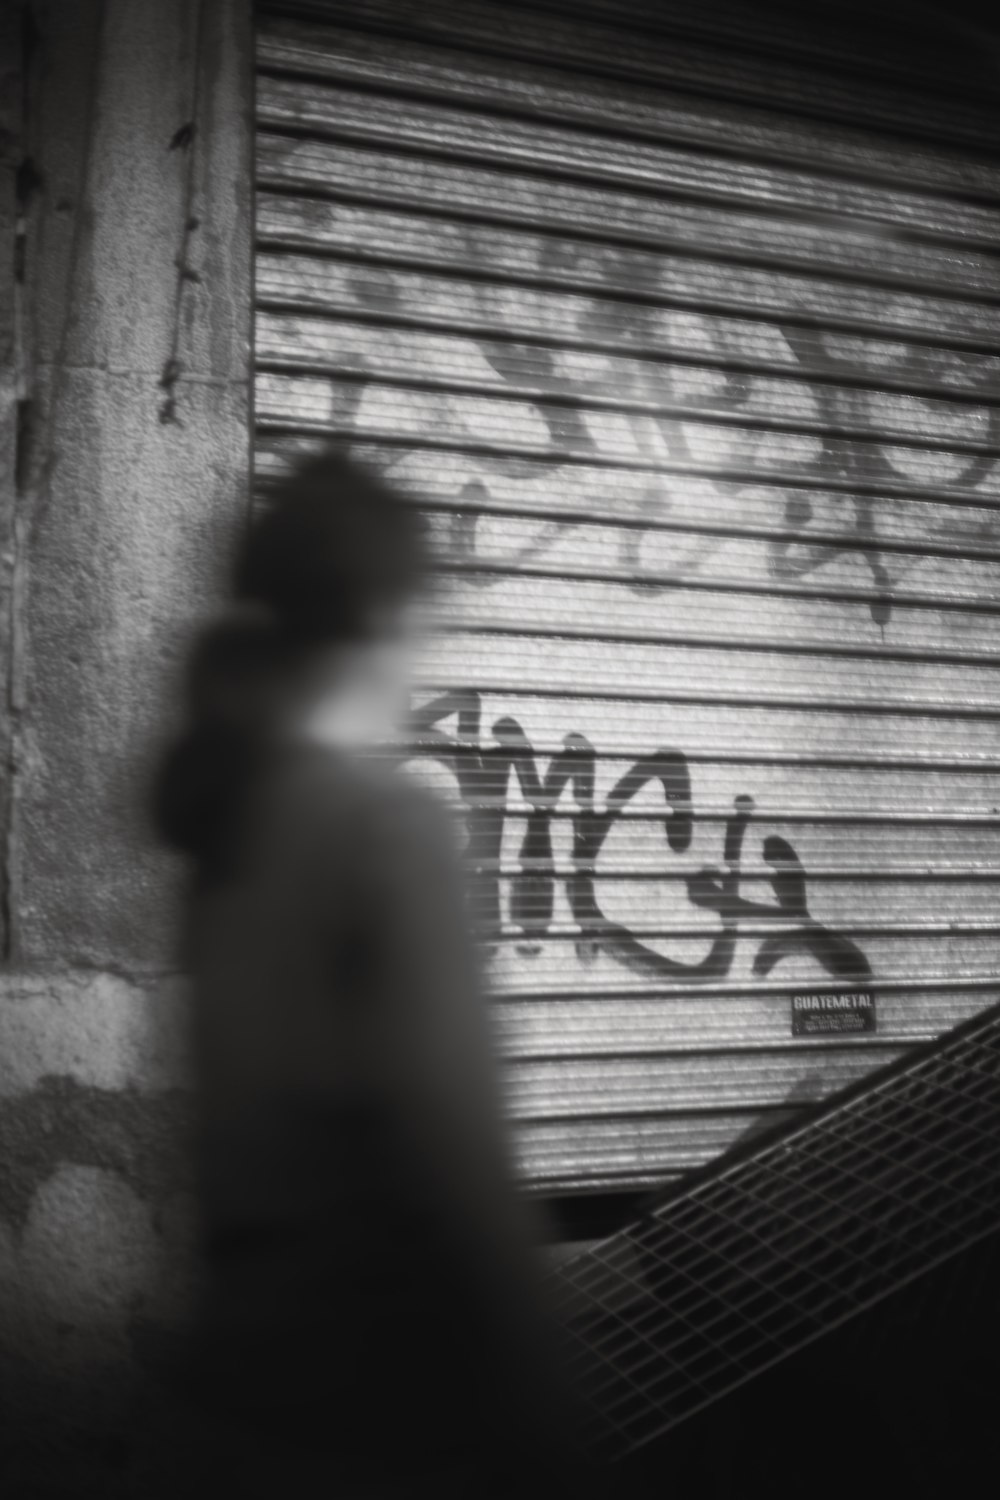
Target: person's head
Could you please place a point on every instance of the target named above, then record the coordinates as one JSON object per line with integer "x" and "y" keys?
{"x": 334, "y": 564}
{"x": 317, "y": 645}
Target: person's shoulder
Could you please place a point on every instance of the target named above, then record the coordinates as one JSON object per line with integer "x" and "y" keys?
{"x": 403, "y": 807}
{"x": 332, "y": 790}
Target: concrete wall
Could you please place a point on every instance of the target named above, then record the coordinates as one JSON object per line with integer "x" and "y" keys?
{"x": 124, "y": 347}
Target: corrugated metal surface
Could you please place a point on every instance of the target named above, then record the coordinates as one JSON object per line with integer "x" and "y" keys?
{"x": 686, "y": 328}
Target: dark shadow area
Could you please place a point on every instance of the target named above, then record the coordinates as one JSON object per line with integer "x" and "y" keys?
{"x": 901, "y": 1401}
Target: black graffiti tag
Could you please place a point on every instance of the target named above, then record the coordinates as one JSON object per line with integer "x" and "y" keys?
{"x": 483, "y": 775}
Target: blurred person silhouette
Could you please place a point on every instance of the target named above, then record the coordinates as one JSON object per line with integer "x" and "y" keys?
{"x": 371, "y": 1316}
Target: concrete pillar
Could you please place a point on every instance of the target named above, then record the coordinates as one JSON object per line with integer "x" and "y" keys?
{"x": 125, "y": 191}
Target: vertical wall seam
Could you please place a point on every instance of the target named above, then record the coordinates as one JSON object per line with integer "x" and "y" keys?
{"x": 251, "y": 63}
{"x": 30, "y": 493}
{"x": 185, "y": 139}
{"x": 25, "y": 180}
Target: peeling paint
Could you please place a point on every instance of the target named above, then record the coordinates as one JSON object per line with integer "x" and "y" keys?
{"x": 183, "y": 137}
{"x": 97, "y": 1028}
{"x": 144, "y": 1138}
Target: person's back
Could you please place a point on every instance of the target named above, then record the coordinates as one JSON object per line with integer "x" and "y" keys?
{"x": 370, "y": 1316}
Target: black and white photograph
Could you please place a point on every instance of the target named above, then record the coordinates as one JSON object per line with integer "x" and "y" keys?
{"x": 499, "y": 749}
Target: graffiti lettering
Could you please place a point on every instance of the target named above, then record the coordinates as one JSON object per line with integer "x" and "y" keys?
{"x": 844, "y": 406}
{"x": 483, "y": 774}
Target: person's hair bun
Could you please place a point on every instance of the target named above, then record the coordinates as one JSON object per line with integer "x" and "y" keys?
{"x": 335, "y": 547}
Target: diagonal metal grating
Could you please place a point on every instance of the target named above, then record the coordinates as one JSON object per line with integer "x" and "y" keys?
{"x": 783, "y": 1241}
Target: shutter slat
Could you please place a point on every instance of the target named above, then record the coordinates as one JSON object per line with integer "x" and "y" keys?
{"x": 293, "y": 344}
{"x": 611, "y": 50}
{"x": 546, "y": 93}
{"x": 553, "y": 203}
{"x": 693, "y": 445}
{"x": 545, "y": 605}
{"x": 550, "y": 151}
{"x": 619, "y": 1026}
{"x": 708, "y": 729}
{"x": 650, "y": 319}
{"x": 558, "y": 970}
{"x": 833, "y": 42}
{"x": 643, "y": 1086}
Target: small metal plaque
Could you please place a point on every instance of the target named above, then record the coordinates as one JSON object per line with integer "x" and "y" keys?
{"x": 819, "y": 1013}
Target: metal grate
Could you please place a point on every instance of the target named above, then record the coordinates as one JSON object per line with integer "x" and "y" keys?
{"x": 765, "y": 1254}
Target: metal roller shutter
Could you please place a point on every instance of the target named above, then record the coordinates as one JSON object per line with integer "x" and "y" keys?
{"x": 686, "y": 333}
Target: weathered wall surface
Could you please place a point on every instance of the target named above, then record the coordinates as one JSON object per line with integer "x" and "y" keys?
{"x": 125, "y": 374}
